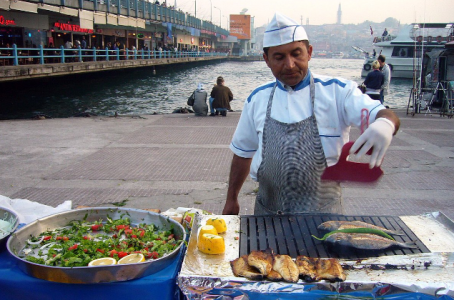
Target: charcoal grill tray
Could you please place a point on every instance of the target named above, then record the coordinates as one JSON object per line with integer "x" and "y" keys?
{"x": 291, "y": 235}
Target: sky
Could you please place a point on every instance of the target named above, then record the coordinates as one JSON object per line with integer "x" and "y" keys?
{"x": 322, "y": 12}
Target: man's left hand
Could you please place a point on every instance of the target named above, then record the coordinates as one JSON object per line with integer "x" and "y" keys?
{"x": 378, "y": 138}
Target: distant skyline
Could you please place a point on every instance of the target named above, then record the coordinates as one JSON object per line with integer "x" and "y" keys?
{"x": 323, "y": 11}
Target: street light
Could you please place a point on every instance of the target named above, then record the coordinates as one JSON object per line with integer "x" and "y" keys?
{"x": 220, "y": 19}
{"x": 227, "y": 21}
{"x": 211, "y": 2}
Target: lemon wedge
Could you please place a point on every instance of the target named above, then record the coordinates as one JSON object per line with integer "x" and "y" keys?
{"x": 211, "y": 244}
{"x": 132, "y": 259}
{"x": 104, "y": 261}
{"x": 218, "y": 223}
{"x": 207, "y": 229}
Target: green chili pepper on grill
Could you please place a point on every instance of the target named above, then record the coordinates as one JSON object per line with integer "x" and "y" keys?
{"x": 356, "y": 230}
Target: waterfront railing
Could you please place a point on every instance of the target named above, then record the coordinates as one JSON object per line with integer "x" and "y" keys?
{"x": 22, "y": 56}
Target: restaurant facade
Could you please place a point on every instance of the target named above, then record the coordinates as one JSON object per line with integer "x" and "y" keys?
{"x": 31, "y": 25}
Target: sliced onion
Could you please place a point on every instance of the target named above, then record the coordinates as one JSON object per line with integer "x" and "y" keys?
{"x": 36, "y": 243}
{"x": 47, "y": 245}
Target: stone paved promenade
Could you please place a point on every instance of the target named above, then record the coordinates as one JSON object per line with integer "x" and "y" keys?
{"x": 168, "y": 161}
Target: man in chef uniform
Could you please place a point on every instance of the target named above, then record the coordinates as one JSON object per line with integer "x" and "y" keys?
{"x": 291, "y": 129}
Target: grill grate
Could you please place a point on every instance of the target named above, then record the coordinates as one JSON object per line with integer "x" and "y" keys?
{"x": 291, "y": 235}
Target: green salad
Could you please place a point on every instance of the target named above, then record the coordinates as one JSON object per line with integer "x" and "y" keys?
{"x": 81, "y": 242}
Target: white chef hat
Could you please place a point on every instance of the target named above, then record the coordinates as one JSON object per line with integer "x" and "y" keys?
{"x": 283, "y": 30}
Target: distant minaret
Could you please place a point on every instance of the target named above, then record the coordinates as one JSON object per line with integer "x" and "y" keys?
{"x": 339, "y": 15}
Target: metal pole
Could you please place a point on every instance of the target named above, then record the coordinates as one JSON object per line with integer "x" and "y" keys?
{"x": 220, "y": 18}
{"x": 211, "y": 2}
{"x": 195, "y": 8}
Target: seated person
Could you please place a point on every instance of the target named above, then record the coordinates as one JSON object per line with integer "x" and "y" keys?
{"x": 222, "y": 97}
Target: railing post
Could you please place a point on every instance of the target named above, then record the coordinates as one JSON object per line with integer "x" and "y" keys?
{"x": 118, "y": 54}
{"x": 80, "y": 53}
{"x": 15, "y": 60}
{"x": 94, "y": 54}
{"x": 62, "y": 53}
{"x": 41, "y": 54}
{"x": 127, "y": 54}
{"x": 135, "y": 54}
{"x": 107, "y": 54}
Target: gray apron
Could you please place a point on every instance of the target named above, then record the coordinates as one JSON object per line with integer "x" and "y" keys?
{"x": 292, "y": 164}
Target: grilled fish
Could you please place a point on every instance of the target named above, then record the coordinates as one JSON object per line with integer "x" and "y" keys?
{"x": 262, "y": 260}
{"x": 241, "y": 268}
{"x": 329, "y": 269}
{"x": 335, "y": 225}
{"x": 284, "y": 265}
{"x": 307, "y": 267}
{"x": 365, "y": 241}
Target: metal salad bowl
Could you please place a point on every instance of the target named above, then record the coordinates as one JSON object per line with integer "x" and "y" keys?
{"x": 94, "y": 274}
{"x": 10, "y": 218}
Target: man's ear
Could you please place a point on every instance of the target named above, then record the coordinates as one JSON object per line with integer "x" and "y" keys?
{"x": 309, "y": 51}
{"x": 265, "y": 57}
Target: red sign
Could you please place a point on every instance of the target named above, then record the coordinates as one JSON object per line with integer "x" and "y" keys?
{"x": 4, "y": 21}
{"x": 240, "y": 26}
{"x": 70, "y": 27}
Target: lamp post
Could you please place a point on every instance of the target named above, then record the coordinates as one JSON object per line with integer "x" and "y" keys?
{"x": 227, "y": 22}
{"x": 220, "y": 19}
{"x": 211, "y": 7}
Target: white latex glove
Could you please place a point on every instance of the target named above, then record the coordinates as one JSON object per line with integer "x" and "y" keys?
{"x": 379, "y": 136}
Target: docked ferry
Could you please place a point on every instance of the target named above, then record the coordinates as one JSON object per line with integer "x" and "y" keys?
{"x": 404, "y": 51}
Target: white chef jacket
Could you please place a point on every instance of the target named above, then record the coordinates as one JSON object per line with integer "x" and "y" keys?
{"x": 338, "y": 105}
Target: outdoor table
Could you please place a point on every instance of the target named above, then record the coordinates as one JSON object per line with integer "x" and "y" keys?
{"x": 15, "y": 284}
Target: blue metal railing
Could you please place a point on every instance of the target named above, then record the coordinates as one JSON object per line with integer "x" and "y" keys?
{"x": 21, "y": 56}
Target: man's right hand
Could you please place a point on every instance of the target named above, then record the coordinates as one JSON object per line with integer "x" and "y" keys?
{"x": 231, "y": 208}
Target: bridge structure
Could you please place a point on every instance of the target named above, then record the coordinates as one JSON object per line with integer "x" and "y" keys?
{"x": 68, "y": 62}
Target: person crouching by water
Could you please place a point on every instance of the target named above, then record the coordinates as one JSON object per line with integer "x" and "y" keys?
{"x": 222, "y": 97}
{"x": 198, "y": 101}
{"x": 374, "y": 80}
{"x": 292, "y": 128}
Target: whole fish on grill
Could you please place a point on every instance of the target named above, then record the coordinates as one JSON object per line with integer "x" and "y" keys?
{"x": 329, "y": 269}
{"x": 336, "y": 225}
{"x": 365, "y": 241}
{"x": 307, "y": 267}
{"x": 284, "y": 265}
{"x": 262, "y": 260}
{"x": 241, "y": 268}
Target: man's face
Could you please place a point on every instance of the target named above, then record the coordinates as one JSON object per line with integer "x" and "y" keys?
{"x": 290, "y": 62}
{"x": 382, "y": 63}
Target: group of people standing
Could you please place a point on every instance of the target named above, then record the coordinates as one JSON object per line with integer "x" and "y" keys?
{"x": 219, "y": 100}
{"x": 377, "y": 81}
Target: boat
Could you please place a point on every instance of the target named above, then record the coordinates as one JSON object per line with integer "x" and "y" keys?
{"x": 434, "y": 89}
{"x": 405, "y": 50}
{"x": 337, "y": 55}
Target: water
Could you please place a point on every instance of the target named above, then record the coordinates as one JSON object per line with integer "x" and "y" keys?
{"x": 139, "y": 91}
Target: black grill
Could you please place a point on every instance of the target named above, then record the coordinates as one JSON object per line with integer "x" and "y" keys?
{"x": 291, "y": 235}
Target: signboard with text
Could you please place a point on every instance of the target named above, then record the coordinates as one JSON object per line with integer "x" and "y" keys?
{"x": 240, "y": 26}
{"x": 70, "y": 27}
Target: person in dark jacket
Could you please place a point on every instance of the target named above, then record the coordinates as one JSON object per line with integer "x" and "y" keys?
{"x": 222, "y": 97}
{"x": 374, "y": 81}
{"x": 200, "y": 101}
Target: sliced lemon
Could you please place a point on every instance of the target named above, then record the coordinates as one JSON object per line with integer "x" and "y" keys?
{"x": 208, "y": 229}
{"x": 218, "y": 223}
{"x": 104, "y": 261}
{"x": 132, "y": 259}
{"x": 211, "y": 244}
